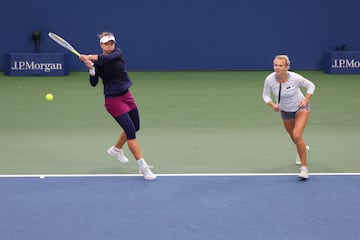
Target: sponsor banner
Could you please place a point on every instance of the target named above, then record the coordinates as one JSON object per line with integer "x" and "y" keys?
{"x": 36, "y": 64}
{"x": 342, "y": 62}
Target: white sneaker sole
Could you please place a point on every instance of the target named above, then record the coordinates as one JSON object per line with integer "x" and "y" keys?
{"x": 148, "y": 178}
{"x": 303, "y": 177}
{"x": 304, "y": 174}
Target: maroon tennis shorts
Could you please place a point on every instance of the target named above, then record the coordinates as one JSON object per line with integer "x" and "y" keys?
{"x": 119, "y": 105}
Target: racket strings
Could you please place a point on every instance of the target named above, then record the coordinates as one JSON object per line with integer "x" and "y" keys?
{"x": 62, "y": 42}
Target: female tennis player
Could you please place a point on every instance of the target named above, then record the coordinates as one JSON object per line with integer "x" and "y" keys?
{"x": 293, "y": 105}
{"x": 119, "y": 102}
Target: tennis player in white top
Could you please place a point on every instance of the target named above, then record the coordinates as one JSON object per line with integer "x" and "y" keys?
{"x": 293, "y": 105}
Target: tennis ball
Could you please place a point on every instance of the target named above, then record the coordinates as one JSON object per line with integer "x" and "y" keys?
{"x": 49, "y": 97}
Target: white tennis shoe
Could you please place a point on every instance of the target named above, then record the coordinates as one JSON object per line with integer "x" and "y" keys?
{"x": 119, "y": 155}
{"x": 147, "y": 173}
{"x": 298, "y": 161}
{"x": 304, "y": 173}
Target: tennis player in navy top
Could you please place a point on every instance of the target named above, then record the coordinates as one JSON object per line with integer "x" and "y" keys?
{"x": 119, "y": 102}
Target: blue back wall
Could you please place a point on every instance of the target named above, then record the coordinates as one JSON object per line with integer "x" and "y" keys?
{"x": 187, "y": 34}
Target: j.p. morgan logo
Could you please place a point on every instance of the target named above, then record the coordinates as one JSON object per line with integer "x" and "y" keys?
{"x": 346, "y": 63}
{"x": 26, "y": 65}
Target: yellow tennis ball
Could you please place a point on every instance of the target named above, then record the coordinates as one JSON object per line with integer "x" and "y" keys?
{"x": 49, "y": 97}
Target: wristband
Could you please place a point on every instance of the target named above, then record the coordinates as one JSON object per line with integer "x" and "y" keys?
{"x": 92, "y": 71}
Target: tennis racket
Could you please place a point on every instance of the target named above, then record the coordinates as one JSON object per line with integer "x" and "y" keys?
{"x": 62, "y": 42}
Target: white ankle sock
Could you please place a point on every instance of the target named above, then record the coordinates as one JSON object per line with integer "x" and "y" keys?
{"x": 142, "y": 162}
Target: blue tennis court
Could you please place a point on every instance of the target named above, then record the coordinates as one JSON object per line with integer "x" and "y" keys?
{"x": 180, "y": 207}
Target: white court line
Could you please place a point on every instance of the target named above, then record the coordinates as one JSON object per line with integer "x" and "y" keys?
{"x": 173, "y": 175}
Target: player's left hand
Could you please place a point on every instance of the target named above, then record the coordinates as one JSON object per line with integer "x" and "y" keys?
{"x": 89, "y": 63}
{"x": 303, "y": 103}
{"x": 85, "y": 57}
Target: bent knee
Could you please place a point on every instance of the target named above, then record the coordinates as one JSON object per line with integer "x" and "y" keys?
{"x": 130, "y": 135}
{"x": 297, "y": 137}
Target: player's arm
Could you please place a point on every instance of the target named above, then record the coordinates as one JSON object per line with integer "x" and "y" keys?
{"x": 310, "y": 89}
{"x": 267, "y": 99}
{"x": 103, "y": 57}
{"x": 94, "y": 78}
{"x": 273, "y": 105}
{"x": 305, "y": 101}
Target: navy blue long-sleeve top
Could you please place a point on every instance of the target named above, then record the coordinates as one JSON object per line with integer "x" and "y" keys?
{"x": 110, "y": 68}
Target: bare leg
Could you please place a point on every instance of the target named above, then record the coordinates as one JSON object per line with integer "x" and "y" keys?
{"x": 121, "y": 141}
{"x": 135, "y": 149}
{"x": 133, "y": 145}
{"x": 295, "y": 128}
{"x": 301, "y": 119}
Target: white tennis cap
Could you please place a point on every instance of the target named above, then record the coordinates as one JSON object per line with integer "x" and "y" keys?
{"x": 107, "y": 38}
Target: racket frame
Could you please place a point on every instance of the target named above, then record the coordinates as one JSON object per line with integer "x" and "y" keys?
{"x": 62, "y": 42}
